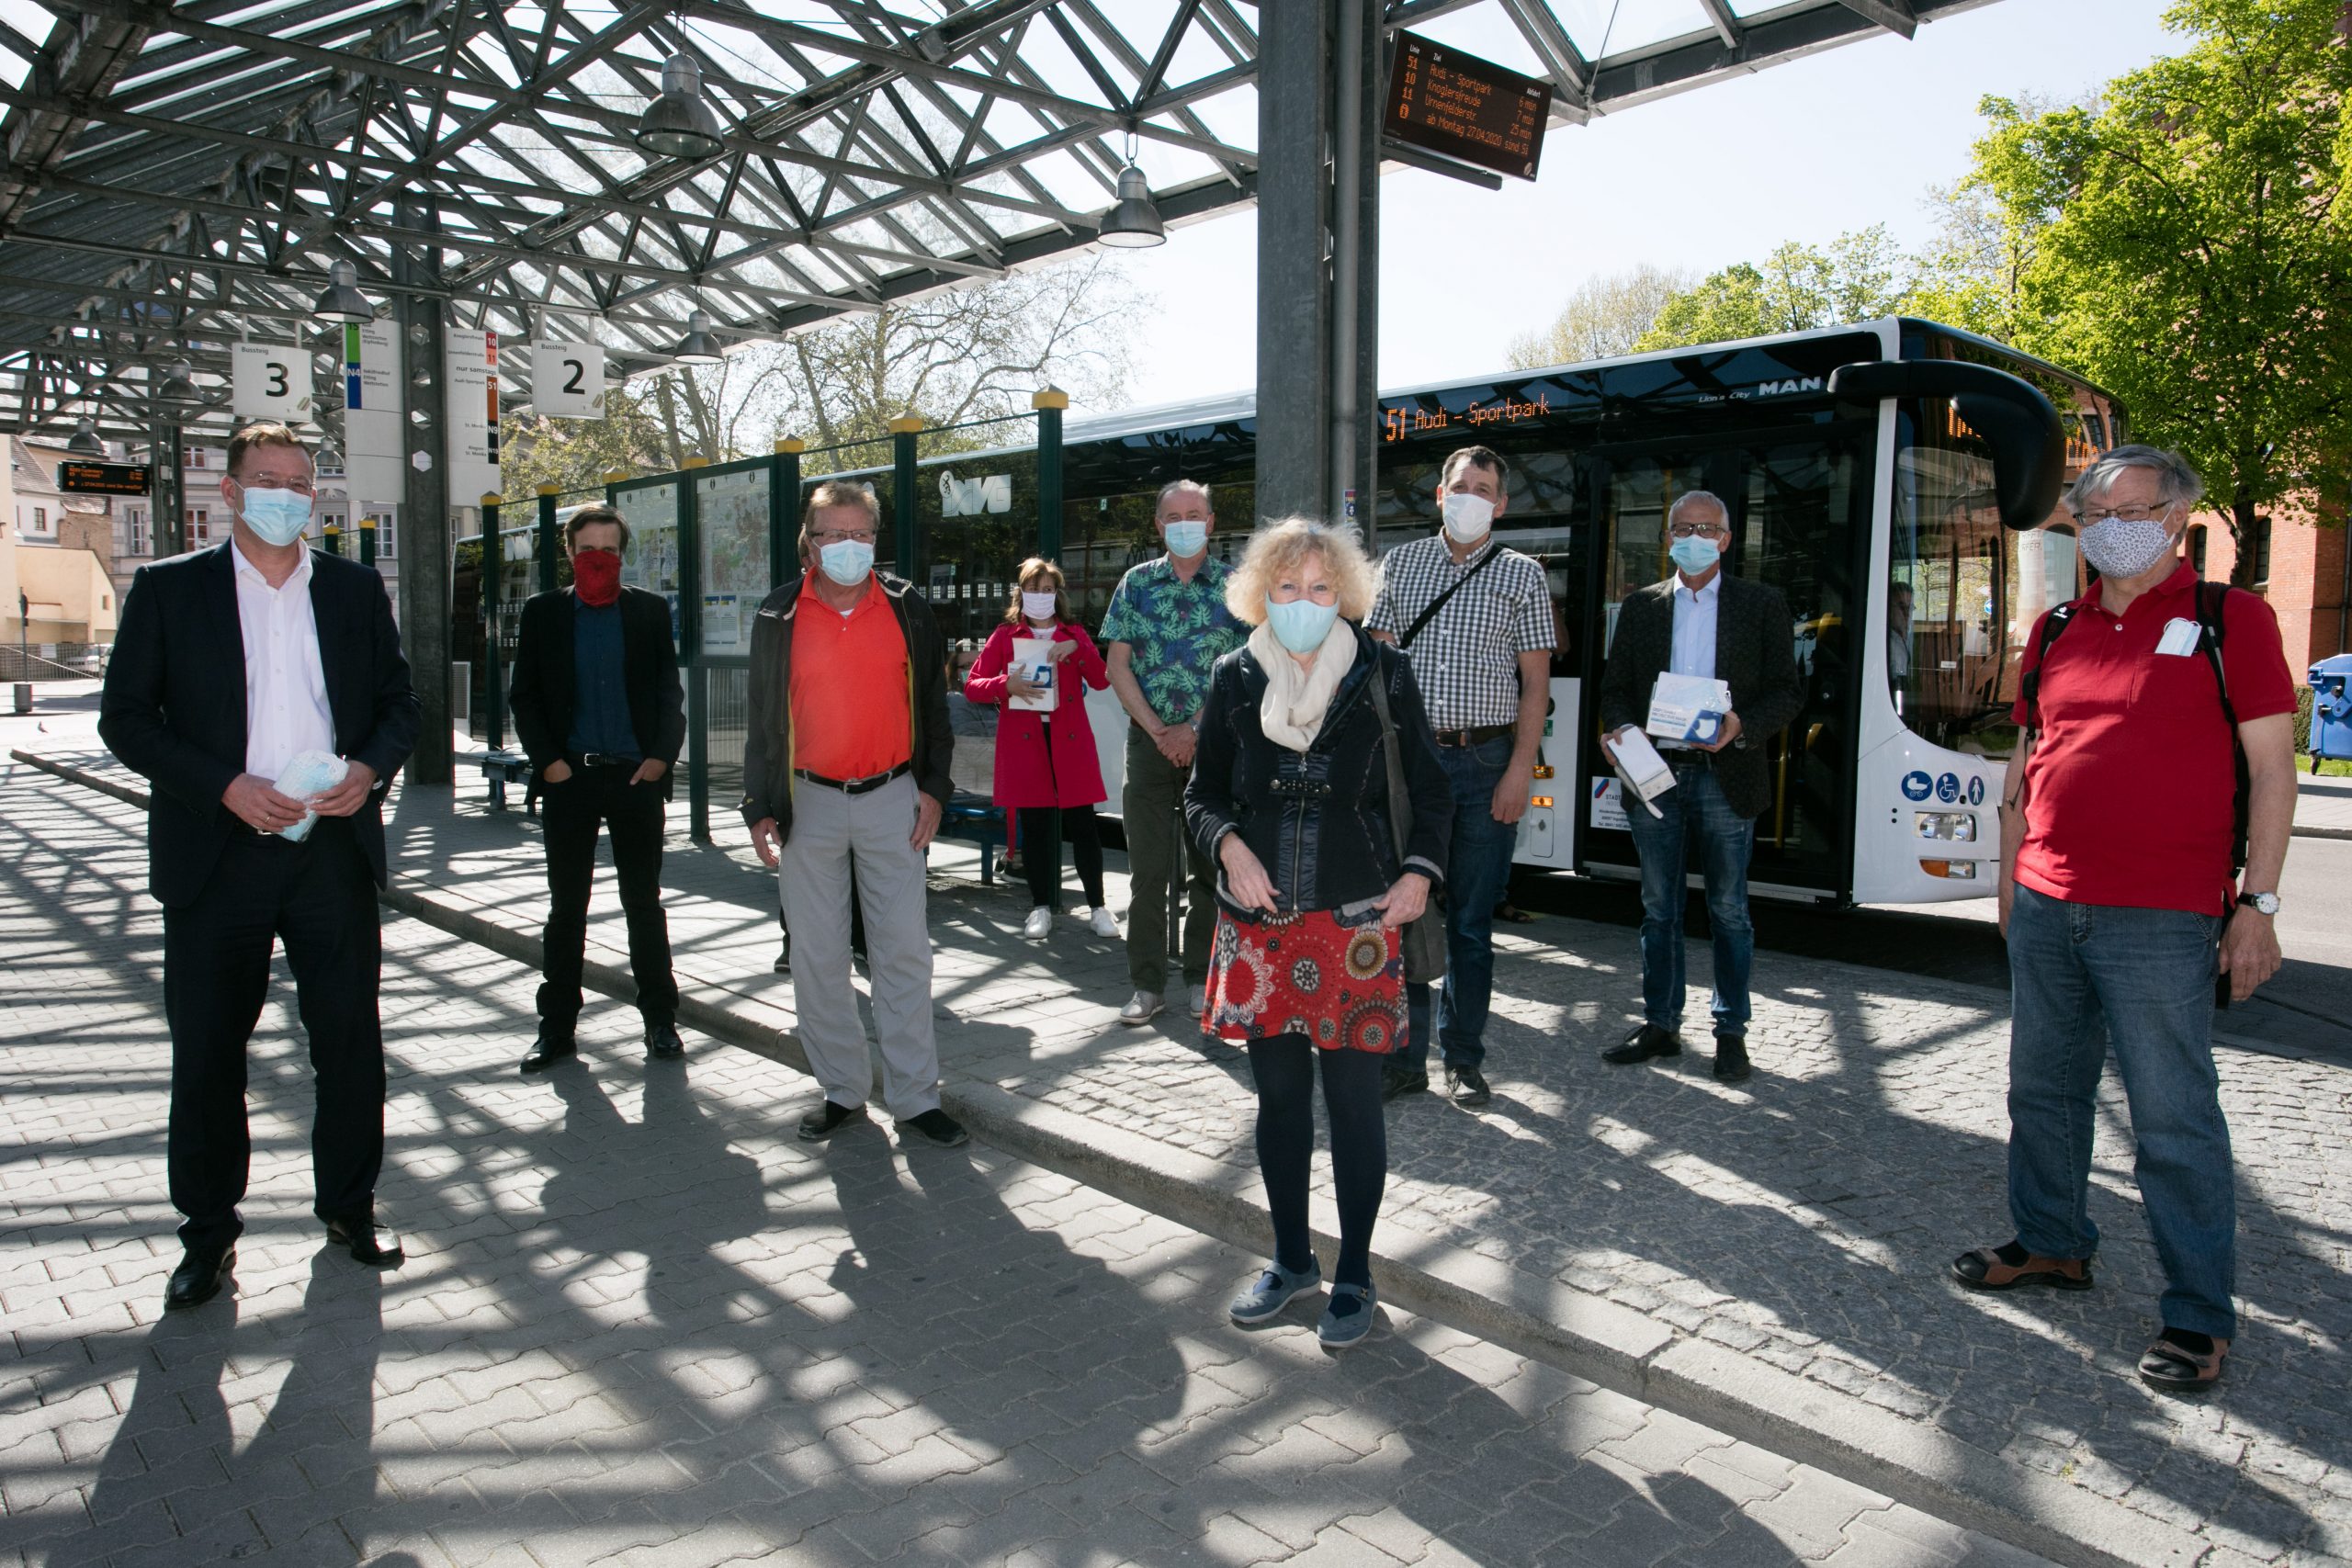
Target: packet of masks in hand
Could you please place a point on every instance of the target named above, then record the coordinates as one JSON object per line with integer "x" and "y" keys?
{"x": 306, "y": 776}
{"x": 1030, "y": 655}
{"x": 1642, "y": 770}
{"x": 1688, "y": 708}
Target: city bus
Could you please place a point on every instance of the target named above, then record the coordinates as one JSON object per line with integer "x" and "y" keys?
{"x": 1907, "y": 513}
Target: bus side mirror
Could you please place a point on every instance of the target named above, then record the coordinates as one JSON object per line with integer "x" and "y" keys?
{"x": 2010, "y": 414}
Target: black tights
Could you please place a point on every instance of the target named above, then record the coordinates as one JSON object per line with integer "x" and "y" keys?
{"x": 1285, "y": 1068}
{"x": 1081, "y": 831}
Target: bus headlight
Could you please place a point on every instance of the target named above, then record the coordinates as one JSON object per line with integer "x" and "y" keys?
{"x": 1955, "y": 826}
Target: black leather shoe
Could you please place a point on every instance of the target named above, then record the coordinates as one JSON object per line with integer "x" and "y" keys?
{"x": 1645, "y": 1043}
{"x": 546, "y": 1052}
{"x": 938, "y": 1128}
{"x": 828, "y": 1119}
{"x": 662, "y": 1042}
{"x": 197, "y": 1278}
{"x": 783, "y": 960}
{"x": 1397, "y": 1084}
{"x": 1467, "y": 1085}
{"x": 369, "y": 1242}
{"x": 1731, "y": 1059}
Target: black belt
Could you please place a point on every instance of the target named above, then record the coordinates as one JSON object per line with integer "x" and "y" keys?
{"x": 855, "y": 786}
{"x": 1478, "y": 735}
{"x": 603, "y": 759}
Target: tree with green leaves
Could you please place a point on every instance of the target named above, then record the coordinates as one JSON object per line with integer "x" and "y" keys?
{"x": 1796, "y": 288}
{"x": 2188, "y": 247}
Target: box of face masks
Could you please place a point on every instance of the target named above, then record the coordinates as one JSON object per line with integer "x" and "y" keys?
{"x": 1029, "y": 656}
{"x": 1639, "y": 767}
{"x": 1687, "y": 709}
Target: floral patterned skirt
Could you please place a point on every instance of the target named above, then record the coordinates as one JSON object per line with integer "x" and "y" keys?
{"x": 1334, "y": 976}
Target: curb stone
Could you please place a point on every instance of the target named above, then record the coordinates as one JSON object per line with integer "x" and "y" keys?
{"x": 1582, "y": 1333}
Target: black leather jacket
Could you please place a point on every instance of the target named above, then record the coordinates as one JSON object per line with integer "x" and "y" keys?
{"x": 1319, "y": 821}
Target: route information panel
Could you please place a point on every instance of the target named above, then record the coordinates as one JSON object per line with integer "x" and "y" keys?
{"x": 1464, "y": 108}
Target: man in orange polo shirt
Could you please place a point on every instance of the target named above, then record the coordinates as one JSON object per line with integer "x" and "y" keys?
{"x": 846, "y": 760}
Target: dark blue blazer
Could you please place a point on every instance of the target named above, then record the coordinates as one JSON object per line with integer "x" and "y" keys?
{"x": 173, "y": 708}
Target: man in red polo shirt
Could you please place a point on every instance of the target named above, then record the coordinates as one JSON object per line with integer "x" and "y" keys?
{"x": 2120, "y": 901}
{"x": 846, "y": 758}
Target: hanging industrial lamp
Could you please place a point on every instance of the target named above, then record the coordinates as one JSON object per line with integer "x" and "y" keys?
{"x": 679, "y": 124}
{"x": 342, "y": 301}
{"x": 699, "y": 346}
{"x": 178, "y": 385}
{"x": 1133, "y": 223}
{"x": 329, "y": 457}
{"x": 85, "y": 442}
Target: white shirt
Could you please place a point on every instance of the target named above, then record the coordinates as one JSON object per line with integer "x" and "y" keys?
{"x": 1694, "y": 626}
{"x": 286, "y": 683}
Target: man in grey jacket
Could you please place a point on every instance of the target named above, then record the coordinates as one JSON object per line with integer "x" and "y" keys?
{"x": 1704, "y": 622}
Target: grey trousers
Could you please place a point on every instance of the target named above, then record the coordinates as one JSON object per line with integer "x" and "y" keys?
{"x": 828, "y": 829}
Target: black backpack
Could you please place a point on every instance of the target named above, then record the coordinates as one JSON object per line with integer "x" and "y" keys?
{"x": 2209, "y": 631}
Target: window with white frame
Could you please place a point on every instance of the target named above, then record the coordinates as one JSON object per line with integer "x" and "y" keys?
{"x": 387, "y": 538}
{"x": 131, "y": 532}
{"x": 200, "y": 526}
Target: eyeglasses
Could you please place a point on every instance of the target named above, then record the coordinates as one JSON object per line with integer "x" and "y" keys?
{"x": 2127, "y": 515}
{"x": 835, "y": 536}
{"x": 300, "y": 487}
{"x": 1684, "y": 530}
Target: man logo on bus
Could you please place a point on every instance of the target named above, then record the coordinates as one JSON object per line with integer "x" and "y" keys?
{"x": 1917, "y": 785}
{"x": 1793, "y": 384}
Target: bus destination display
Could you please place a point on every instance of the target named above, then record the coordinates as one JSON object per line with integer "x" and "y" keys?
{"x": 1464, "y": 108}
{"x": 102, "y": 479}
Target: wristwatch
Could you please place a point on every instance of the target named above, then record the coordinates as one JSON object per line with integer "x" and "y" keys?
{"x": 2261, "y": 903}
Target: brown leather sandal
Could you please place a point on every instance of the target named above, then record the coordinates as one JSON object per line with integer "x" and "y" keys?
{"x": 1983, "y": 1270}
{"x": 2176, "y": 1368}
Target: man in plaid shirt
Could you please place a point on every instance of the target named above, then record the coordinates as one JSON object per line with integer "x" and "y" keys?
{"x": 1484, "y": 664}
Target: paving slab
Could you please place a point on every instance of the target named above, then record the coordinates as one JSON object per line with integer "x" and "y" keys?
{"x": 641, "y": 1324}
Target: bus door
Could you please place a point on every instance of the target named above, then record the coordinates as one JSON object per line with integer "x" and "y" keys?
{"x": 1565, "y": 548}
{"x": 1800, "y": 505}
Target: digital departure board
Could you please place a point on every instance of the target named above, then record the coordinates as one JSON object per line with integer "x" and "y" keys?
{"x": 102, "y": 479}
{"x": 1464, "y": 108}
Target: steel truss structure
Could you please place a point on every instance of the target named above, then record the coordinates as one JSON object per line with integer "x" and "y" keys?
{"x": 180, "y": 175}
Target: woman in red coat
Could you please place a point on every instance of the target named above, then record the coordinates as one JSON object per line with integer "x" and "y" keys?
{"x": 1044, "y": 757}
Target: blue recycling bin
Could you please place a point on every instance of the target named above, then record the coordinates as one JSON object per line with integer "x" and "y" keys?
{"x": 2332, "y": 709}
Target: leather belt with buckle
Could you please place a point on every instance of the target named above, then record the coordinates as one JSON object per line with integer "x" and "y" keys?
{"x": 604, "y": 759}
{"x": 1478, "y": 736}
{"x": 855, "y": 786}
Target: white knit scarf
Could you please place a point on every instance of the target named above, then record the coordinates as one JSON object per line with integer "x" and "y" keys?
{"x": 1290, "y": 713}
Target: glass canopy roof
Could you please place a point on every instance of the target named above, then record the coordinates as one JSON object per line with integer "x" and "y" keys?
{"x": 178, "y": 176}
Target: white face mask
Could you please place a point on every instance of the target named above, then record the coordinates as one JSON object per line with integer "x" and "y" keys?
{"x": 2119, "y": 547}
{"x": 1039, "y": 607}
{"x": 1467, "y": 517}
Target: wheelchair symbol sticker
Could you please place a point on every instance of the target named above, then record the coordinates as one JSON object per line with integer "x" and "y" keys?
{"x": 1948, "y": 788}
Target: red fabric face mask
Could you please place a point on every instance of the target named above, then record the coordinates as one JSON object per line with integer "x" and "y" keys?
{"x": 596, "y": 577}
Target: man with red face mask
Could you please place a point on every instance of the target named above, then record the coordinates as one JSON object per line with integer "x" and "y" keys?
{"x": 598, "y": 706}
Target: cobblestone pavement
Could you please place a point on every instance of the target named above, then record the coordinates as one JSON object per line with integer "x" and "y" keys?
{"x": 1803, "y": 1222}
{"x": 640, "y": 1323}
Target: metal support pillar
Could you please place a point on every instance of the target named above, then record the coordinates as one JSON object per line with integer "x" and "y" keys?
{"x": 903, "y": 431}
{"x": 784, "y": 511}
{"x": 334, "y": 539}
{"x": 550, "y": 544}
{"x": 1051, "y": 402}
{"x": 1320, "y": 80}
{"x": 493, "y": 562}
{"x": 366, "y": 540}
{"x": 424, "y": 579}
{"x": 169, "y": 534}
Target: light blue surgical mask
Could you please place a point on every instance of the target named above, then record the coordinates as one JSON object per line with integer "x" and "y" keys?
{"x": 1302, "y": 624}
{"x": 278, "y": 516}
{"x": 1186, "y": 540}
{"x": 1694, "y": 553}
{"x": 847, "y": 561}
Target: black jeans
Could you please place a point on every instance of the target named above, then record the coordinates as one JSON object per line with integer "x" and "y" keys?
{"x": 1285, "y": 1067}
{"x": 1081, "y": 830}
{"x": 319, "y": 898}
{"x": 633, "y": 814}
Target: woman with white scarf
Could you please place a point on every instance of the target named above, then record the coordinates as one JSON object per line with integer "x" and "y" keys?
{"x": 1290, "y": 797}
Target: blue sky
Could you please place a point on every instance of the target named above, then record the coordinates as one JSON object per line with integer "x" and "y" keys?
{"x": 1805, "y": 150}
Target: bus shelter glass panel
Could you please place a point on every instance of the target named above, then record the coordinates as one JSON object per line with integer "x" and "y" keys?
{"x": 731, "y": 526}
{"x": 652, "y": 560}
{"x": 979, "y": 522}
{"x": 727, "y": 718}
{"x": 883, "y": 485}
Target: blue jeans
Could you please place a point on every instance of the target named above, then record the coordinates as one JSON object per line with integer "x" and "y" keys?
{"x": 1694, "y": 809}
{"x": 2084, "y": 976}
{"x": 1478, "y": 868}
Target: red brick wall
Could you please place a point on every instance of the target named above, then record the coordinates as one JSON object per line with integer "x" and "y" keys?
{"x": 2306, "y": 583}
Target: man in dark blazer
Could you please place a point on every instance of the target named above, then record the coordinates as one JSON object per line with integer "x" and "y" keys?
{"x": 230, "y": 663}
{"x": 1701, "y": 621}
{"x": 598, "y": 706}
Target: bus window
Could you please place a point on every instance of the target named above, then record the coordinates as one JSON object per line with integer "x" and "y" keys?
{"x": 1964, "y": 592}
{"x": 1640, "y": 492}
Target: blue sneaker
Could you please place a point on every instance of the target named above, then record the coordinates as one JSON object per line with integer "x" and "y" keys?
{"x": 1346, "y": 1327}
{"x": 1272, "y": 1292}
